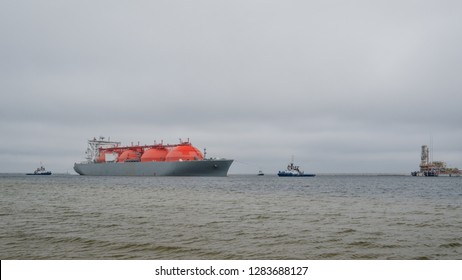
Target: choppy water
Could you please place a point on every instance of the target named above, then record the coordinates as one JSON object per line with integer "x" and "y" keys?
{"x": 236, "y": 217}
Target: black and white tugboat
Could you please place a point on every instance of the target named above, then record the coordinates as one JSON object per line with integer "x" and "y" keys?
{"x": 40, "y": 171}
{"x": 294, "y": 171}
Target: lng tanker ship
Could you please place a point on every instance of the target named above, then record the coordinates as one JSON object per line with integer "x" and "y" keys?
{"x": 108, "y": 158}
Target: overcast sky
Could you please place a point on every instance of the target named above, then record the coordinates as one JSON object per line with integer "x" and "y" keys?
{"x": 343, "y": 86}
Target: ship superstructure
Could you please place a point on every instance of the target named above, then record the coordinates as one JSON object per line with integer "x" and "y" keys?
{"x": 105, "y": 157}
{"x": 97, "y": 147}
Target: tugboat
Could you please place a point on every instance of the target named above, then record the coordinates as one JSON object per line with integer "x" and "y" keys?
{"x": 40, "y": 171}
{"x": 260, "y": 173}
{"x": 293, "y": 171}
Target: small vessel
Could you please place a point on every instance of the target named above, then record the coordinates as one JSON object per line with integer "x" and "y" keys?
{"x": 109, "y": 158}
{"x": 428, "y": 173}
{"x": 260, "y": 173}
{"x": 40, "y": 171}
{"x": 293, "y": 171}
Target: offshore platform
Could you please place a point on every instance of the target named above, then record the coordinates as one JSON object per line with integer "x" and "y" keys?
{"x": 431, "y": 168}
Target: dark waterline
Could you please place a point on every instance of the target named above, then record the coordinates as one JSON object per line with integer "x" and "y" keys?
{"x": 235, "y": 217}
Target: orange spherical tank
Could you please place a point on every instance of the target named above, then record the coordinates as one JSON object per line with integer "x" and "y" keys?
{"x": 101, "y": 157}
{"x": 154, "y": 154}
{"x": 184, "y": 152}
{"x": 129, "y": 155}
{"x": 107, "y": 156}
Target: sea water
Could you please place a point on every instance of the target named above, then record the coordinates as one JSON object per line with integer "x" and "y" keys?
{"x": 235, "y": 217}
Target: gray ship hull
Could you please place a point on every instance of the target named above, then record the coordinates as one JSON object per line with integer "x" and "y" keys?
{"x": 212, "y": 167}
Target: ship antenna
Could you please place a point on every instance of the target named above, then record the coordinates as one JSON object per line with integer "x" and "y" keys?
{"x": 431, "y": 148}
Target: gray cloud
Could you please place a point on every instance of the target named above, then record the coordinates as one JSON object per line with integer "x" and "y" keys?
{"x": 345, "y": 86}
